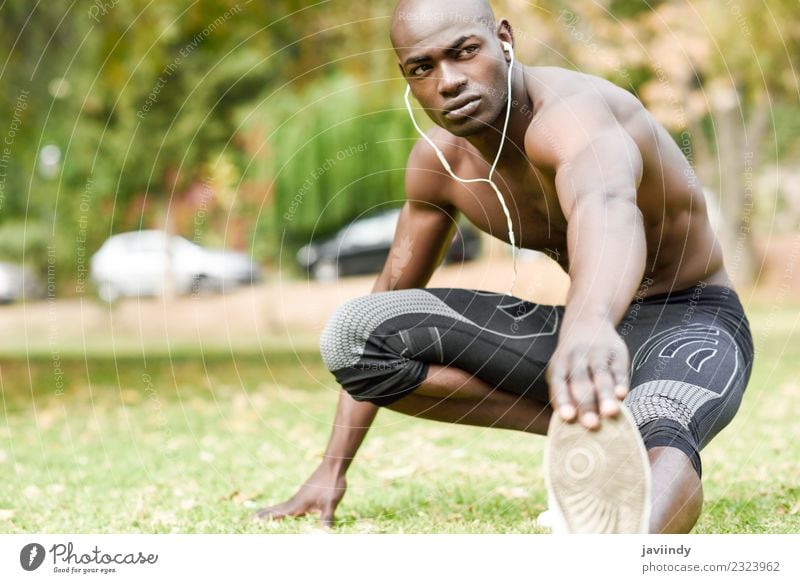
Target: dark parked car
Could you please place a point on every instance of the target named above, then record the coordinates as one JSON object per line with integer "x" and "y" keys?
{"x": 362, "y": 247}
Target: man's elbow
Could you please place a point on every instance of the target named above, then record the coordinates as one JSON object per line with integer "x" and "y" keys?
{"x": 616, "y": 205}
{"x": 625, "y": 195}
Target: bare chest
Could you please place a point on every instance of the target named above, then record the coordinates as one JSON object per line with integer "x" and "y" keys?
{"x": 530, "y": 196}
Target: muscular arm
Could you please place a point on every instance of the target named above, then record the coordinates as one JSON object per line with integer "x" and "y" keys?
{"x": 418, "y": 247}
{"x": 425, "y": 227}
{"x": 605, "y": 233}
{"x": 598, "y": 168}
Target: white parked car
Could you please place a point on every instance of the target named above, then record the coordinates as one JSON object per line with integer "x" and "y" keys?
{"x": 18, "y": 283}
{"x": 138, "y": 264}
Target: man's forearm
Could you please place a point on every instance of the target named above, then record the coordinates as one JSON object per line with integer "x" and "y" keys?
{"x": 608, "y": 251}
{"x": 353, "y": 420}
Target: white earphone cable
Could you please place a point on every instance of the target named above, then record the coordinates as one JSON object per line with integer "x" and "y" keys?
{"x": 491, "y": 171}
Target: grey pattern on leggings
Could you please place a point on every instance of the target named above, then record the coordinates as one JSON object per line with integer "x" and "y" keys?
{"x": 667, "y": 399}
{"x": 346, "y": 333}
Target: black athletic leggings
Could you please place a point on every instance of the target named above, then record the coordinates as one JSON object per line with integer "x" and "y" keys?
{"x": 691, "y": 352}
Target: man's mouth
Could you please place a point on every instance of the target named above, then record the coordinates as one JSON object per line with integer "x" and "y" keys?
{"x": 463, "y": 110}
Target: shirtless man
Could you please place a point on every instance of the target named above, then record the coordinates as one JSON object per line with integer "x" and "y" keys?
{"x": 591, "y": 178}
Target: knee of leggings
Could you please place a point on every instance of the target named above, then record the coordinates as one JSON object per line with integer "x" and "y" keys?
{"x": 670, "y": 433}
{"x": 339, "y": 342}
{"x": 370, "y": 365}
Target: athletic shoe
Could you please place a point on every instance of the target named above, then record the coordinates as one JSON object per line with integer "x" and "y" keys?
{"x": 549, "y": 519}
{"x": 598, "y": 481}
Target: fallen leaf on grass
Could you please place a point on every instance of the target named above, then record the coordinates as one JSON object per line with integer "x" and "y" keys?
{"x": 313, "y": 453}
{"x": 315, "y": 529}
{"x": 241, "y": 497}
{"x": 514, "y": 493}
{"x": 55, "y": 488}
{"x": 166, "y": 518}
{"x": 365, "y": 527}
{"x": 188, "y": 504}
{"x": 796, "y": 508}
{"x": 31, "y": 491}
{"x": 175, "y": 443}
{"x": 400, "y": 472}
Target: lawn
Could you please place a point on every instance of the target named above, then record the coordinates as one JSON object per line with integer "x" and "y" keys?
{"x": 196, "y": 442}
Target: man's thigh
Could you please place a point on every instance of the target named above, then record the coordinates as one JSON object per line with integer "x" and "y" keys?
{"x": 503, "y": 340}
{"x": 379, "y": 346}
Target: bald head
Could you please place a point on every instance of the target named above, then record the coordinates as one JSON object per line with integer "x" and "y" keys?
{"x": 418, "y": 16}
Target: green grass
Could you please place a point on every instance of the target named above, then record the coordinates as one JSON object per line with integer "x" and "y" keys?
{"x": 203, "y": 441}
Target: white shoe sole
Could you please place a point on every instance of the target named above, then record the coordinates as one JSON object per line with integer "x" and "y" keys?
{"x": 598, "y": 481}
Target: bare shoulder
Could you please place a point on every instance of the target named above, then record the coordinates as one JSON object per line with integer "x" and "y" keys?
{"x": 553, "y": 85}
{"x": 427, "y": 179}
{"x": 571, "y": 108}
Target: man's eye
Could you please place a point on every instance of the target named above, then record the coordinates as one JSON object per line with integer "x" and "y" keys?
{"x": 468, "y": 50}
{"x": 416, "y": 71}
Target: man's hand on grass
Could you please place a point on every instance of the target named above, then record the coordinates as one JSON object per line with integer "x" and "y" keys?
{"x": 588, "y": 373}
{"x": 321, "y": 494}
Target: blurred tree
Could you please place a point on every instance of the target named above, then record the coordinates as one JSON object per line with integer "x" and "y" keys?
{"x": 733, "y": 67}
{"x": 140, "y": 97}
{"x": 713, "y": 72}
{"x": 337, "y": 132}
{"x": 145, "y": 100}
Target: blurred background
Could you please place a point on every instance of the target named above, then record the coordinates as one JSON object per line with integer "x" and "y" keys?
{"x": 189, "y": 188}
{"x": 269, "y": 128}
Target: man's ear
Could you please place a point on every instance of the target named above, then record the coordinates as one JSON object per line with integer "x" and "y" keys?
{"x": 504, "y": 31}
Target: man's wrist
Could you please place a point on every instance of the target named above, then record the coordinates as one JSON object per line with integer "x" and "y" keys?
{"x": 335, "y": 464}
{"x": 586, "y": 317}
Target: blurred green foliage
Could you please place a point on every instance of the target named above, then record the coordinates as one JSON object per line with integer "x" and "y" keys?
{"x": 343, "y": 149}
{"x": 19, "y": 239}
{"x": 148, "y": 100}
{"x": 155, "y": 105}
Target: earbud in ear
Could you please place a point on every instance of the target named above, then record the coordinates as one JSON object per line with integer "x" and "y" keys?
{"x": 509, "y": 50}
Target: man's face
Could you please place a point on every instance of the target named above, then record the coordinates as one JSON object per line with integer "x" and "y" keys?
{"x": 457, "y": 73}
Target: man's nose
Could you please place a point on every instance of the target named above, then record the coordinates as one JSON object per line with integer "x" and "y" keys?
{"x": 451, "y": 80}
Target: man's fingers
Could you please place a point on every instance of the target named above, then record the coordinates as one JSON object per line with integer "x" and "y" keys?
{"x": 620, "y": 370}
{"x": 583, "y": 393}
{"x": 281, "y": 511}
{"x": 326, "y": 516}
{"x": 271, "y": 513}
{"x": 559, "y": 394}
{"x": 604, "y": 384}
{"x": 582, "y": 390}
